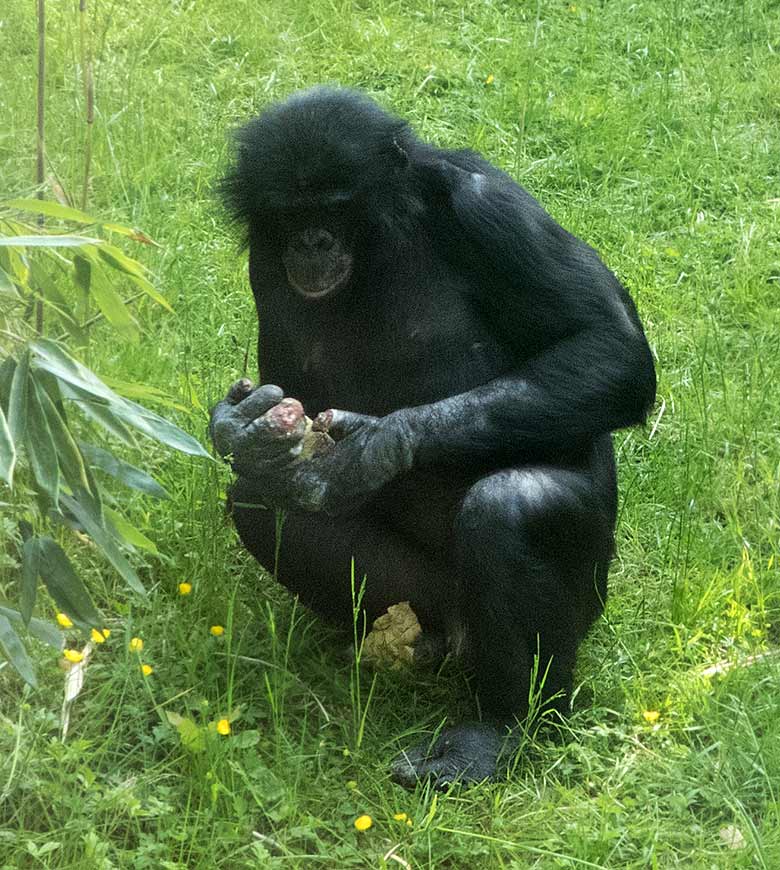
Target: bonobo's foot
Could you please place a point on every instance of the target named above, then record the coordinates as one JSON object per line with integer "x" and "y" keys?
{"x": 464, "y": 754}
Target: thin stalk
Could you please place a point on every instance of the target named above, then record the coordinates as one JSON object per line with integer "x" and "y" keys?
{"x": 39, "y": 174}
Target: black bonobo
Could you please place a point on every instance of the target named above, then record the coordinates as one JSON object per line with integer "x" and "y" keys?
{"x": 470, "y": 358}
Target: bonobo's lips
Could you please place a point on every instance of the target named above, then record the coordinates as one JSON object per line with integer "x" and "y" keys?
{"x": 315, "y": 283}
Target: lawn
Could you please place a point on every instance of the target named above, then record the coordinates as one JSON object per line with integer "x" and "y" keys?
{"x": 651, "y": 130}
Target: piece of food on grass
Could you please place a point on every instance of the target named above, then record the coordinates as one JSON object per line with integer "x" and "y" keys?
{"x": 390, "y": 643}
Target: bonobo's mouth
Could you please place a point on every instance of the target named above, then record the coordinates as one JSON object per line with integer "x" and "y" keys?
{"x": 313, "y": 282}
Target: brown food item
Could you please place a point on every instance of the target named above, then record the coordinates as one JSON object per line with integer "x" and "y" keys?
{"x": 289, "y": 420}
{"x": 390, "y": 643}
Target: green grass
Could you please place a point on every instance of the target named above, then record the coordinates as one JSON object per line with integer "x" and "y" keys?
{"x": 648, "y": 128}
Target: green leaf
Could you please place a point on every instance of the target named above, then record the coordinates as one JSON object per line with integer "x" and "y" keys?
{"x": 41, "y": 630}
{"x": 18, "y": 401}
{"x": 7, "y": 451}
{"x": 64, "y": 584}
{"x": 82, "y": 272}
{"x": 68, "y": 454}
{"x": 117, "y": 259}
{"x": 123, "y": 471}
{"x": 7, "y": 286}
{"x": 46, "y": 241}
{"x": 103, "y": 538}
{"x": 129, "y": 533}
{"x": 49, "y": 356}
{"x": 100, "y": 411}
{"x": 111, "y": 305}
{"x": 192, "y": 737}
{"x": 29, "y": 579}
{"x": 15, "y": 652}
{"x": 7, "y": 369}
{"x": 40, "y": 447}
{"x": 50, "y": 209}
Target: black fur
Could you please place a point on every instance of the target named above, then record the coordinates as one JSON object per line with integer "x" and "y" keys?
{"x": 491, "y": 353}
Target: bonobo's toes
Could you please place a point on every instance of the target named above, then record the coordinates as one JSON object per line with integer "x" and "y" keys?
{"x": 465, "y": 754}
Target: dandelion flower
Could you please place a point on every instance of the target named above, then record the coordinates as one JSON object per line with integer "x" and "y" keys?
{"x": 73, "y": 656}
{"x": 64, "y": 620}
{"x": 217, "y": 630}
{"x": 223, "y": 727}
{"x": 185, "y": 588}
{"x": 147, "y": 670}
{"x": 651, "y": 716}
{"x": 106, "y": 633}
{"x": 400, "y": 817}
{"x": 98, "y": 635}
{"x": 363, "y": 823}
{"x": 490, "y": 79}
{"x": 136, "y": 645}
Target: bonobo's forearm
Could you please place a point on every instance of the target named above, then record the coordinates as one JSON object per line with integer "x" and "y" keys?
{"x": 585, "y": 386}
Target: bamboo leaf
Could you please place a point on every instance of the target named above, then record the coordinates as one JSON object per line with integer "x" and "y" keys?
{"x": 30, "y": 573}
{"x": 103, "y": 538}
{"x": 100, "y": 411}
{"x": 7, "y": 286}
{"x": 123, "y": 471}
{"x": 7, "y": 451}
{"x": 7, "y": 370}
{"x": 129, "y": 533}
{"x": 40, "y": 447}
{"x": 50, "y": 209}
{"x": 49, "y": 356}
{"x": 18, "y": 401}
{"x": 68, "y": 454}
{"x": 44, "y": 241}
{"x": 112, "y": 306}
{"x": 41, "y": 630}
{"x": 64, "y": 584}
{"x": 15, "y": 652}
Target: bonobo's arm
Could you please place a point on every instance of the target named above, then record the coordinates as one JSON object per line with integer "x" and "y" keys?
{"x": 587, "y": 366}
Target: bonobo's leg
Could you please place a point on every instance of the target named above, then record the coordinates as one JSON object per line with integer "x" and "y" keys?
{"x": 532, "y": 546}
{"x": 315, "y": 552}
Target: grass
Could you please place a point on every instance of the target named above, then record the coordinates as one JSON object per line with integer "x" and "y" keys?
{"x": 649, "y": 129}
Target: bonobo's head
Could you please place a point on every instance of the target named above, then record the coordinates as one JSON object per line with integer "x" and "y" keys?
{"x": 314, "y": 179}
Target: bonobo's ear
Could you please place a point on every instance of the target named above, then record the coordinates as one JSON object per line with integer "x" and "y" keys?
{"x": 399, "y": 155}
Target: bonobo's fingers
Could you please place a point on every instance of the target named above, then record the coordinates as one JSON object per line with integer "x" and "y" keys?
{"x": 259, "y": 401}
{"x": 239, "y": 391}
{"x": 339, "y": 424}
{"x": 286, "y": 419}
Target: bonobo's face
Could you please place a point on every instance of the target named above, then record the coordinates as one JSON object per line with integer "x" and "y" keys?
{"x": 317, "y": 255}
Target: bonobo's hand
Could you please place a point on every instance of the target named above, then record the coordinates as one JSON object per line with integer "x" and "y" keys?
{"x": 464, "y": 754}
{"x": 262, "y": 438}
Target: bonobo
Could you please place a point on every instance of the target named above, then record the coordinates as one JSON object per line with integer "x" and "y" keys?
{"x": 470, "y": 358}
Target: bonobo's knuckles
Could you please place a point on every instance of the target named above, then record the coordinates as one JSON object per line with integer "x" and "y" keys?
{"x": 463, "y": 755}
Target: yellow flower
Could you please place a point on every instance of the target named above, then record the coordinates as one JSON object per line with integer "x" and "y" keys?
{"x": 73, "y": 655}
{"x": 146, "y": 670}
{"x": 99, "y": 635}
{"x": 217, "y": 630}
{"x": 400, "y": 817}
{"x": 363, "y": 823}
{"x": 490, "y": 79}
{"x": 64, "y": 620}
{"x": 136, "y": 644}
{"x": 223, "y": 727}
{"x": 185, "y": 588}
{"x": 106, "y": 633}
{"x": 651, "y": 716}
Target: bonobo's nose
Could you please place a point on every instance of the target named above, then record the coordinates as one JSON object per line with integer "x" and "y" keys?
{"x": 316, "y": 239}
